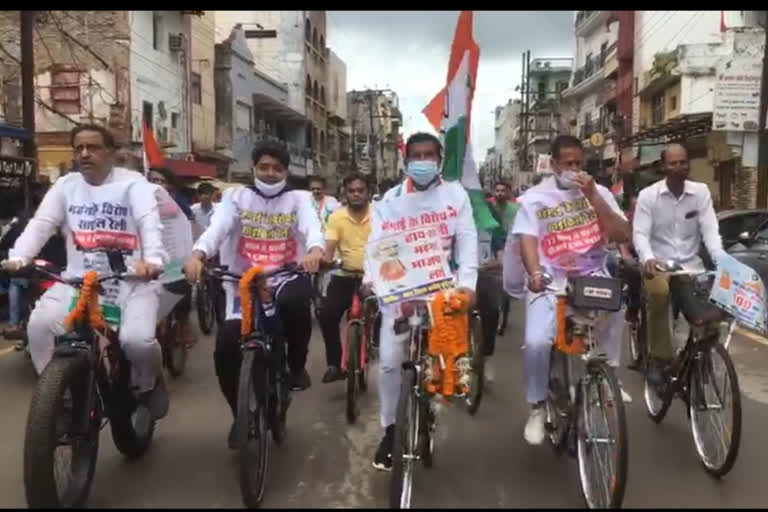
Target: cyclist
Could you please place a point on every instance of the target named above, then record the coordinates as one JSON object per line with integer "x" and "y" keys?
{"x": 268, "y": 225}
{"x": 347, "y": 230}
{"x": 489, "y": 283}
{"x": 672, "y": 218}
{"x": 323, "y": 204}
{"x": 183, "y": 309}
{"x": 91, "y": 207}
{"x": 567, "y": 205}
{"x": 441, "y": 198}
{"x": 203, "y": 210}
{"x": 504, "y": 205}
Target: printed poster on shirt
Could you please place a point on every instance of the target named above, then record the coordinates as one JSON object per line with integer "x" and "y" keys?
{"x": 739, "y": 290}
{"x": 267, "y": 239}
{"x": 409, "y": 259}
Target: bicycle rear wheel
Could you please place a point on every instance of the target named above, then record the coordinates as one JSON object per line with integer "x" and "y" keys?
{"x": 602, "y": 448}
{"x": 715, "y": 409}
{"x": 558, "y": 401}
{"x": 205, "y": 309}
{"x": 405, "y": 441}
{"x": 637, "y": 341}
{"x": 503, "y": 314}
{"x": 251, "y": 427}
{"x": 354, "y": 339}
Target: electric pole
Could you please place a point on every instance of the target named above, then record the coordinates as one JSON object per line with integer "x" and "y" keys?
{"x": 762, "y": 152}
{"x": 524, "y": 105}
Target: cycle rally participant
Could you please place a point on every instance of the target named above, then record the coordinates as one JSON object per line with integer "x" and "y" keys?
{"x": 567, "y": 205}
{"x": 265, "y": 224}
{"x": 100, "y": 208}
{"x": 347, "y": 231}
{"x": 446, "y": 205}
{"x": 672, "y": 218}
{"x": 323, "y": 203}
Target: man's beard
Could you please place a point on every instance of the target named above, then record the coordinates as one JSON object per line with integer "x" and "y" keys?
{"x": 356, "y": 207}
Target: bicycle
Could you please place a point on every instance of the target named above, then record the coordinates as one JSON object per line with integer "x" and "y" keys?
{"x": 205, "y": 302}
{"x": 692, "y": 371}
{"x": 264, "y": 388}
{"x": 85, "y": 386}
{"x": 503, "y": 313}
{"x": 417, "y": 408}
{"x": 174, "y": 351}
{"x": 579, "y": 377}
{"x": 359, "y": 344}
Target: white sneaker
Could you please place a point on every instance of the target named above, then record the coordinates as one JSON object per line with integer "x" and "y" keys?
{"x": 534, "y": 429}
{"x": 625, "y": 397}
{"x": 490, "y": 375}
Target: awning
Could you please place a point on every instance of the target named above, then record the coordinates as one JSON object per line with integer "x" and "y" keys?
{"x": 189, "y": 169}
{"x": 681, "y": 128}
{"x": 276, "y": 108}
{"x": 16, "y": 132}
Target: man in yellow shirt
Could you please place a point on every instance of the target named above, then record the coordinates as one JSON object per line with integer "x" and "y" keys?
{"x": 347, "y": 230}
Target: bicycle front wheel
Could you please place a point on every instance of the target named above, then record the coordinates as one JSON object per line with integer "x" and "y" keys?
{"x": 354, "y": 339}
{"x": 251, "y": 427}
{"x": 715, "y": 409}
{"x": 601, "y": 426}
{"x": 405, "y": 441}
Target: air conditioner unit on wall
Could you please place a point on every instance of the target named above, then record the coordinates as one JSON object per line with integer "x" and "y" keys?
{"x": 175, "y": 42}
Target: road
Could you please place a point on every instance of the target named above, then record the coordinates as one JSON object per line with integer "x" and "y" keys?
{"x": 480, "y": 462}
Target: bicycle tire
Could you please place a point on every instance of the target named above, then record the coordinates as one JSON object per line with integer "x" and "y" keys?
{"x": 252, "y": 406}
{"x": 426, "y": 434}
{"x": 354, "y": 338}
{"x": 125, "y": 415}
{"x": 716, "y": 471}
{"x": 638, "y": 348}
{"x": 558, "y": 401}
{"x": 478, "y": 365}
{"x": 656, "y": 405}
{"x": 40, "y": 438}
{"x": 616, "y": 404}
{"x": 205, "y": 308}
{"x": 176, "y": 351}
{"x": 402, "y": 467}
{"x": 503, "y": 314}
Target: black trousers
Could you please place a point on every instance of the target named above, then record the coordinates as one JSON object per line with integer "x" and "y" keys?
{"x": 489, "y": 294}
{"x": 293, "y": 302}
{"x": 338, "y": 299}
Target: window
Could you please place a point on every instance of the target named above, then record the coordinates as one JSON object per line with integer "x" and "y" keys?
{"x": 195, "y": 84}
{"x": 561, "y": 86}
{"x": 260, "y": 34}
{"x": 673, "y": 103}
{"x": 322, "y": 45}
{"x": 314, "y": 37}
{"x": 657, "y": 109}
{"x": 542, "y": 86}
{"x": 157, "y": 26}
{"x": 174, "y": 120}
{"x": 65, "y": 90}
{"x": 147, "y": 114}
{"x": 635, "y": 85}
{"x": 322, "y": 95}
{"x": 309, "y": 85}
{"x": 243, "y": 118}
{"x": 315, "y": 90}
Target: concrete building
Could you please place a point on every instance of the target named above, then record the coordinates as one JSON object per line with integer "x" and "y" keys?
{"x": 595, "y": 68}
{"x": 375, "y": 121}
{"x": 202, "y": 97}
{"x": 290, "y": 48}
{"x": 107, "y": 67}
{"x": 506, "y": 122}
{"x": 338, "y": 138}
{"x": 250, "y": 107}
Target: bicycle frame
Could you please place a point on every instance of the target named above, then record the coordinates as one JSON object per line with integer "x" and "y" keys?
{"x": 359, "y": 313}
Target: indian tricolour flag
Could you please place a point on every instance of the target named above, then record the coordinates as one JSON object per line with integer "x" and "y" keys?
{"x": 449, "y": 112}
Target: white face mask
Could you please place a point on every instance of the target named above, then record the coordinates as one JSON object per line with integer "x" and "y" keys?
{"x": 269, "y": 189}
{"x": 566, "y": 179}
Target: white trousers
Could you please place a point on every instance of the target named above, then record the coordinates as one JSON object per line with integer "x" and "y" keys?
{"x": 137, "y": 329}
{"x": 391, "y": 356}
{"x": 540, "y": 333}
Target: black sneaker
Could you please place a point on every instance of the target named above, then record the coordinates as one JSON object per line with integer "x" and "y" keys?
{"x": 301, "y": 381}
{"x": 232, "y": 438}
{"x": 332, "y": 374}
{"x": 383, "y": 459}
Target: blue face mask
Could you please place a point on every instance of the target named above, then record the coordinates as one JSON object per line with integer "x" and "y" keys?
{"x": 422, "y": 171}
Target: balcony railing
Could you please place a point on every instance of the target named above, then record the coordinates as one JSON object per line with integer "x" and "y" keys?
{"x": 593, "y": 65}
{"x": 294, "y": 149}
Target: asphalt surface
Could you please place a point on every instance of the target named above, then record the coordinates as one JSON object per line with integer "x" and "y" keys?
{"x": 480, "y": 461}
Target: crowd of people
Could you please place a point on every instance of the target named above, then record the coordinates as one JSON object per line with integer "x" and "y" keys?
{"x": 270, "y": 224}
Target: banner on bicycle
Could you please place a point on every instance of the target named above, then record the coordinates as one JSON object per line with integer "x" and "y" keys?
{"x": 739, "y": 290}
{"x": 408, "y": 265}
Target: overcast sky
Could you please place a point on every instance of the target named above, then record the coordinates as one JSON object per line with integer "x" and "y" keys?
{"x": 408, "y": 52}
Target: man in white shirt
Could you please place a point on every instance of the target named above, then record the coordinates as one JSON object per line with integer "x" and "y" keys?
{"x": 672, "y": 218}
{"x": 323, "y": 204}
{"x": 203, "y": 210}
{"x": 564, "y": 224}
{"x": 94, "y": 208}
{"x": 446, "y": 205}
{"x": 267, "y": 225}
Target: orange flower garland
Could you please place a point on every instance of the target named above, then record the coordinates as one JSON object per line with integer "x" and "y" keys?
{"x": 246, "y": 300}
{"x": 87, "y": 304}
{"x": 448, "y": 339}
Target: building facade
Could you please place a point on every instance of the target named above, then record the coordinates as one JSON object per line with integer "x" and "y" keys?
{"x": 375, "y": 120}
{"x": 338, "y": 138}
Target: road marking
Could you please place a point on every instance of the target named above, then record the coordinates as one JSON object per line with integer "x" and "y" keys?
{"x": 7, "y": 350}
{"x": 753, "y": 336}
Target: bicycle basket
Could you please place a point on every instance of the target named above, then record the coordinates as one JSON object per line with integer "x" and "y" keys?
{"x": 595, "y": 292}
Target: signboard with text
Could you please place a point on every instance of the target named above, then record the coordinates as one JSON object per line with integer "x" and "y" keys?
{"x": 408, "y": 265}
{"x": 13, "y": 171}
{"x": 737, "y": 94}
{"x": 739, "y": 290}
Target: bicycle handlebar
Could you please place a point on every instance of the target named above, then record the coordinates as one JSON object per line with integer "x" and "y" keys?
{"x": 221, "y": 272}
{"x": 77, "y": 282}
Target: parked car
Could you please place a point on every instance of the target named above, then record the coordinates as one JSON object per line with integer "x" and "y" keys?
{"x": 752, "y": 250}
{"x": 734, "y": 223}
